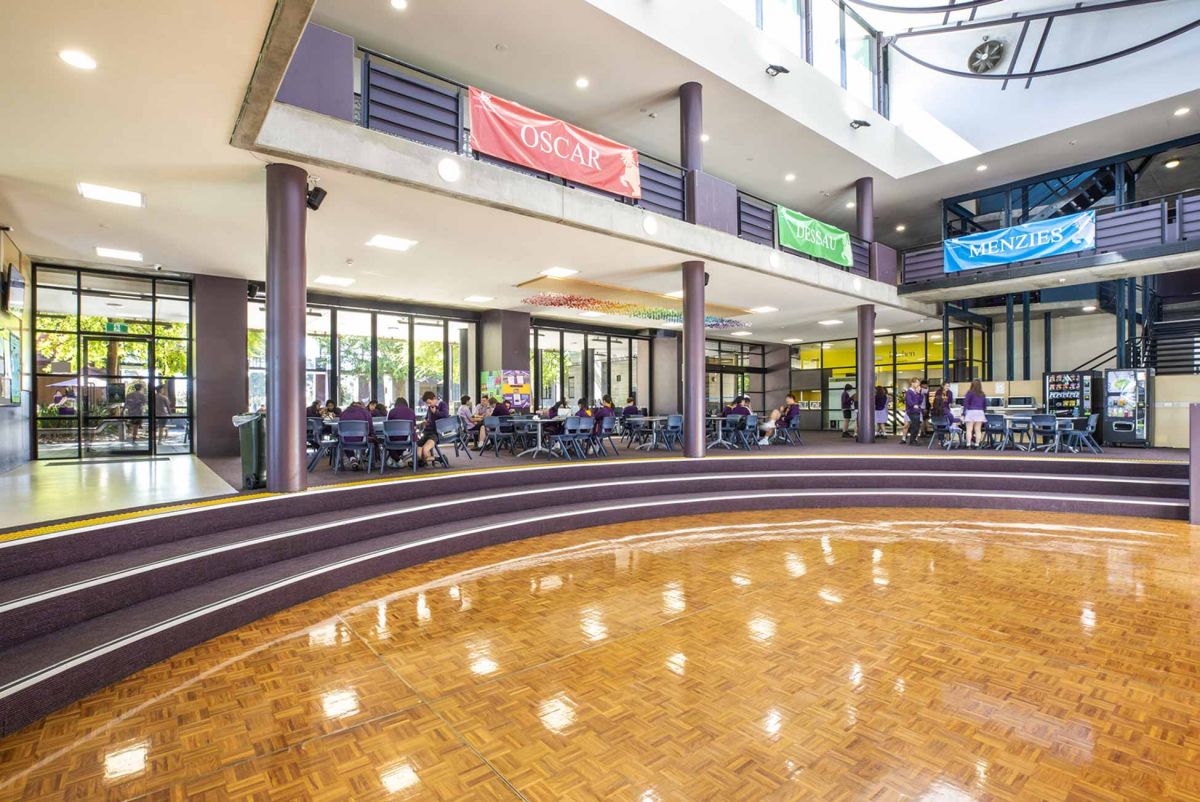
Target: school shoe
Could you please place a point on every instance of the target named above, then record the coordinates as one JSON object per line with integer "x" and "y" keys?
{"x": 764, "y": 442}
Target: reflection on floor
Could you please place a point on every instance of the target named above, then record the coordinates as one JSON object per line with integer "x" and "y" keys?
{"x": 49, "y": 490}
{"x": 791, "y": 655}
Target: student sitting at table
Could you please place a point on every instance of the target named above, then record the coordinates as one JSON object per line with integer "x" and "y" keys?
{"x": 435, "y": 411}
{"x": 331, "y": 410}
{"x": 631, "y": 408}
{"x": 466, "y": 415}
{"x": 401, "y": 411}
{"x": 500, "y": 409}
{"x": 376, "y": 409}
{"x": 356, "y": 411}
{"x": 605, "y": 409}
{"x": 559, "y": 408}
{"x": 781, "y": 416}
{"x": 314, "y": 410}
{"x": 582, "y": 411}
{"x": 739, "y": 406}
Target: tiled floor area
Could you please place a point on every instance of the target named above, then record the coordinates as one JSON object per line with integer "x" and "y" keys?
{"x": 793, "y": 655}
{"x": 50, "y": 490}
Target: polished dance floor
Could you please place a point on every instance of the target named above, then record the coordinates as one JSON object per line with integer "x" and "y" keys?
{"x": 933, "y": 655}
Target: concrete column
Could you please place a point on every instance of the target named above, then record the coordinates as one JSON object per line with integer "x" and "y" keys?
{"x": 864, "y": 208}
{"x": 287, "y": 278}
{"x": 865, "y": 373}
{"x": 691, "y": 126}
{"x": 693, "y": 359}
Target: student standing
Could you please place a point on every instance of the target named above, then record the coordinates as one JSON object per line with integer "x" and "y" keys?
{"x": 975, "y": 414}
{"x": 914, "y": 410}
{"x": 881, "y": 404}
{"x": 847, "y": 409}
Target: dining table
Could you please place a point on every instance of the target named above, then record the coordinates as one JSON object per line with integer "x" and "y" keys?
{"x": 656, "y": 422}
{"x": 719, "y": 441}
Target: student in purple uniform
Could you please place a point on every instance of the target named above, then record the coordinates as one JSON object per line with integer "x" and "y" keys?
{"x": 914, "y": 410}
{"x": 975, "y": 414}
{"x": 780, "y": 417}
{"x": 435, "y": 411}
{"x": 402, "y": 411}
{"x": 582, "y": 411}
{"x": 605, "y": 409}
{"x": 376, "y": 409}
{"x": 500, "y": 409}
{"x": 847, "y": 409}
{"x": 739, "y": 407}
{"x": 881, "y": 404}
{"x": 630, "y": 409}
{"x": 356, "y": 411}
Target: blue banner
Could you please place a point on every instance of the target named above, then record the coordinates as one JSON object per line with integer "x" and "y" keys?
{"x": 1054, "y": 237}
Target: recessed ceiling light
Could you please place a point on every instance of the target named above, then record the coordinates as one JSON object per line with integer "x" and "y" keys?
{"x": 830, "y": 322}
{"x": 77, "y": 59}
{"x": 1089, "y": 308}
{"x": 910, "y": 336}
{"x": 704, "y": 137}
{"x": 794, "y": 340}
{"x": 935, "y": 336}
{"x": 334, "y": 281}
{"x": 125, "y": 197}
{"x": 399, "y": 5}
{"x": 673, "y": 324}
{"x": 883, "y": 331}
{"x": 850, "y": 204}
{"x": 581, "y": 82}
{"x": 590, "y": 313}
{"x": 449, "y": 169}
{"x": 559, "y": 272}
{"x": 1182, "y": 110}
{"x": 118, "y": 253}
{"x": 979, "y": 168}
{"x": 1172, "y": 164}
{"x": 826, "y": 346}
{"x": 761, "y": 310}
{"x": 674, "y": 294}
{"x": 901, "y": 227}
{"x": 478, "y": 299}
{"x": 391, "y": 243}
{"x": 790, "y": 177}
{"x": 1062, "y": 281}
{"x": 739, "y": 334}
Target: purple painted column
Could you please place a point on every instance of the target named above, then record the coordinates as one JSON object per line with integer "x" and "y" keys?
{"x": 865, "y": 373}
{"x": 691, "y": 126}
{"x": 864, "y": 208}
{"x": 693, "y": 359}
{"x": 287, "y": 186}
{"x": 1194, "y": 463}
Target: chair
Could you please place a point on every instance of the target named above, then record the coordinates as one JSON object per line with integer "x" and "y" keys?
{"x": 495, "y": 436}
{"x": 1020, "y": 433}
{"x": 748, "y": 434}
{"x": 353, "y": 436}
{"x": 1044, "y": 428}
{"x": 1078, "y": 439}
{"x": 322, "y": 444}
{"x": 995, "y": 429}
{"x": 944, "y": 432}
{"x": 568, "y": 439}
{"x": 448, "y": 431}
{"x": 672, "y": 432}
{"x": 605, "y": 432}
{"x": 735, "y": 429}
{"x": 314, "y": 432}
{"x": 789, "y": 431}
{"x": 397, "y": 439}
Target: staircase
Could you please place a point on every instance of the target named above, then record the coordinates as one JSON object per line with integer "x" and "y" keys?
{"x": 1172, "y": 347}
{"x": 82, "y": 608}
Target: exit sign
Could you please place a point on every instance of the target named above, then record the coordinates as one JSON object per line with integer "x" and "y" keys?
{"x": 116, "y": 328}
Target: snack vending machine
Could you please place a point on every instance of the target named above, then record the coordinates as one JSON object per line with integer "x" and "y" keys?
{"x": 1128, "y": 407}
{"x": 1072, "y": 395}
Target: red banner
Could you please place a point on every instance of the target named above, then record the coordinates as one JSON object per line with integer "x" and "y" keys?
{"x": 509, "y": 131}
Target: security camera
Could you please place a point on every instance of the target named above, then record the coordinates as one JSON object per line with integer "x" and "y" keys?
{"x": 706, "y": 279}
{"x": 777, "y": 69}
{"x": 314, "y": 198}
{"x": 856, "y": 124}
{"x": 157, "y": 267}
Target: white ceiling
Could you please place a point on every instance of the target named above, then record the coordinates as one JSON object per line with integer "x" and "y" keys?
{"x": 157, "y": 118}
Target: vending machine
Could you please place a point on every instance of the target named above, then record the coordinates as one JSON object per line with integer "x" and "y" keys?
{"x": 1072, "y": 395}
{"x": 1128, "y": 407}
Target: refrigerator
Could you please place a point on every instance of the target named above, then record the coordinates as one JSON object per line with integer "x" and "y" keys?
{"x": 1128, "y": 407}
{"x": 1072, "y": 394}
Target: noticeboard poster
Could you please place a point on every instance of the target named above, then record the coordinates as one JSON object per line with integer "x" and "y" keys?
{"x": 512, "y": 385}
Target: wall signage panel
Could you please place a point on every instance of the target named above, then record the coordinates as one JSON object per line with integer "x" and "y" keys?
{"x": 517, "y": 134}
{"x": 1042, "y": 239}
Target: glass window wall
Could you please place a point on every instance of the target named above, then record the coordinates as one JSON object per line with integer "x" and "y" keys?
{"x": 569, "y": 365}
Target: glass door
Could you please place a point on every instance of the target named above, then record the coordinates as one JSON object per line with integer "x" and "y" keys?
{"x": 118, "y": 399}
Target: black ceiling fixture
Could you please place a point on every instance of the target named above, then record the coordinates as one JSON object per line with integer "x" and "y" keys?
{"x": 314, "y": 198}
{"x": 777, "y": 69}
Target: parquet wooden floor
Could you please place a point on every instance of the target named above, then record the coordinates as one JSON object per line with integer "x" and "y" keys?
{"x": 931, "y": 655}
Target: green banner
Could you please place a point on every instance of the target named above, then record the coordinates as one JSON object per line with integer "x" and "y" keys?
{"x": 802, "y": 233}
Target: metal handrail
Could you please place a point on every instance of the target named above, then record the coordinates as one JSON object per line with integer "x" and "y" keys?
{"x": 406, "y": 65}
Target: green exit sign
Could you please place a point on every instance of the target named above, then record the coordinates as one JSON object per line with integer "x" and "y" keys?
{"x": 116, "y": 328}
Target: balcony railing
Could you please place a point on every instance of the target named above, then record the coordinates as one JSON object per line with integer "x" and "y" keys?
{"x": 411, "y": 102}
{"x": 1126, "y": 229}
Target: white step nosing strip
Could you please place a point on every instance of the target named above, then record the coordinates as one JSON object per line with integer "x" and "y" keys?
{"x": 366, "y": 482}
{"x": 17, "y": 685}
{"x": 74, "y": 587}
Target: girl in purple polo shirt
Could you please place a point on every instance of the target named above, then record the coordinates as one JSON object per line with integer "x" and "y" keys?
{"x": 975, "y": 414}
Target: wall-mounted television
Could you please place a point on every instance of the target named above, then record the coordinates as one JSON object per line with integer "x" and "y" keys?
{"x": 14, "y": 290}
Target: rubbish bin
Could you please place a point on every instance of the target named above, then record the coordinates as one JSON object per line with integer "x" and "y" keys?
{"x": 252, "y": 435}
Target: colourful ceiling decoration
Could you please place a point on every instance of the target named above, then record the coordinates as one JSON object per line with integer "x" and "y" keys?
{"x": 657, "y": 313}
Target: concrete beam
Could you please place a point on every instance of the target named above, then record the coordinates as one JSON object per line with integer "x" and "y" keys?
{"x": 283, "y": 37}
{"x": 298, "y": 134}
